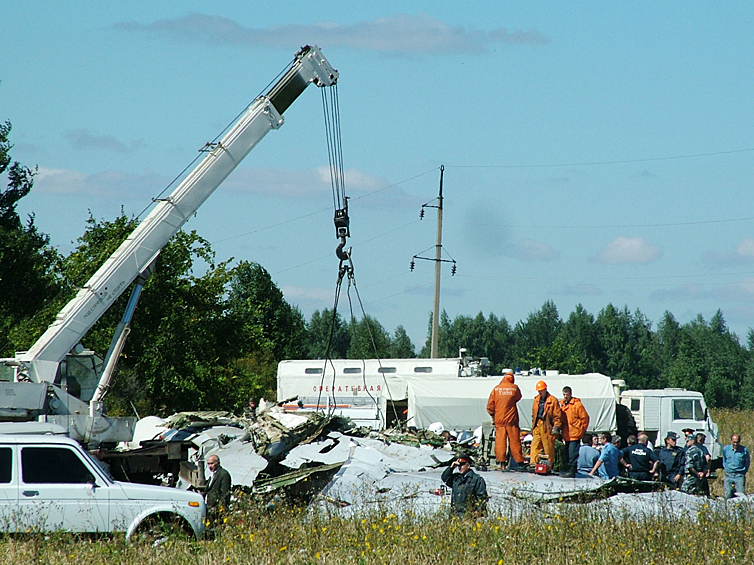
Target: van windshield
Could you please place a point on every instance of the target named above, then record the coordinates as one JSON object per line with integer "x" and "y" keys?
{"x": 688, "y": 409}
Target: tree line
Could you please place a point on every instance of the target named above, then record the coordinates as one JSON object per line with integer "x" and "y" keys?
{"x": 209, "y": 334}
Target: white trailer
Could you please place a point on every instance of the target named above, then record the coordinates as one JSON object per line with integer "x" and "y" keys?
{"x": 418, "y": 392}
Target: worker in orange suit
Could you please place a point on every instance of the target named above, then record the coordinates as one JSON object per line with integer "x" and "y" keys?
{"x": 546, "y": 423}
{"x": 502, "y": 407}
{"x": 575, "y": 424}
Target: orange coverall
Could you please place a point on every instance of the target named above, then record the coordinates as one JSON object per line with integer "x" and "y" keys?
{"x": 575, "y": 419}
{"x": 502, "y": 407}
{"x": 544, "y": 440}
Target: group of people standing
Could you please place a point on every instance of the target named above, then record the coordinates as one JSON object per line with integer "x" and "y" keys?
{"x": 686, "y": 468}
{"x": 551, "y": 418}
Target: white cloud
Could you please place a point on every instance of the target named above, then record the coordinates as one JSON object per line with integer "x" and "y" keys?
{"x": 313, "y": 183}
{"x": 746, "y": 248}
{"x": 298, "y": 294}
{"x": 84, "y": 139}
{"x": 743, "y": 254}
{"x": 736, "y": 292}
{"x": 530, "y": 250}
{"x": 107, "y": 183}
{"x": 399, "y": 34}
{"x": 623, "y": 250}
{"x": 691, "y": 291}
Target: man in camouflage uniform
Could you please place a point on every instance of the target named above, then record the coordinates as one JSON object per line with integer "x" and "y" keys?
{"x": 696, "y": 467}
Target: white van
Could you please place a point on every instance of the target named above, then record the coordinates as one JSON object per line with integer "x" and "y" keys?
{"x": 49, "y": 483}
{"x": 658, "y": 412}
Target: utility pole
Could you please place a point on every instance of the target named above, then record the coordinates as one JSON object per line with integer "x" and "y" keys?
{"x": 438, "y": 268}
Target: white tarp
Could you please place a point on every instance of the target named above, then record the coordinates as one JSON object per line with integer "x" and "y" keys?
{"x": 461, "y": 403}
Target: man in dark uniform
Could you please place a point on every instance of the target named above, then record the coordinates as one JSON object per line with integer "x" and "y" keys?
{"x": 641, "y": 461}
{"x": 469, "y": 489}
{"x": 672, "y": 461}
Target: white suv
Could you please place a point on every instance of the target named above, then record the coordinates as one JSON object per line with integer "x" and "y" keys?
{"x": 50, "y": 483}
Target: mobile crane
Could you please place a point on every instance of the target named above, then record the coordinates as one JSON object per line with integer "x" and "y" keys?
{"x": 57, "y": 381}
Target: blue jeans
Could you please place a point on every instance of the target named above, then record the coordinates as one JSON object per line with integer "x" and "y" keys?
{"x": 734, "y": 482}
{"x": 572, "y": 454}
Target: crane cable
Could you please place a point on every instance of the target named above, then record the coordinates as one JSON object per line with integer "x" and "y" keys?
{"x": 331, "y": 110}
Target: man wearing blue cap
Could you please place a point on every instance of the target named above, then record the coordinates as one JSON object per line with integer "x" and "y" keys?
{"x": 672, "y": 461}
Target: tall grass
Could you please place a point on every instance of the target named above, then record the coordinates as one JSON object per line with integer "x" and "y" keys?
{"x": 568, "y": 534}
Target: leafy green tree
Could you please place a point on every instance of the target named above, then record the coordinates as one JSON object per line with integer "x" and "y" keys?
{"x": 576, "y": 349}
{"x": 327, "y": 336}
{"x": 536, "y": 335}
{"x": 489, "y": 337}
{"x": 28, "y": 264}
{"x": 259, "y": 304}
{"x": 645, "y": 351}
{"x": 401, "y": 346}
{"x": 613, "y": 331}
{"x": 184, "y": 341}
{"x": 369, "y": 340}
{"x": 710, "y": 360}
{"x": 746, "y": 397}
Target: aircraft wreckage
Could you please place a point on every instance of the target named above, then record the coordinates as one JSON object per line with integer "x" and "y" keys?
{"x": 331, "y": 463}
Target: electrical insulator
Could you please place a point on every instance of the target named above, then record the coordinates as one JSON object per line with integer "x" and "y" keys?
{"x": 453, "y": 269}
{"x": 421, "y": 214}
{"x": 412, "y": 265}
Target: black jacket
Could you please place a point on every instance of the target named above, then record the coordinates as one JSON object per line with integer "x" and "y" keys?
{"x": 469, "y": 491}
{"x": 218, "y": 491}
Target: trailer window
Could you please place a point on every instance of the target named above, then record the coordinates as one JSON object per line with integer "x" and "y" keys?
{"x": 6, "y": 464}
{"x": 635, "y": 404}
{"x": 683, "y": 409}
{"x": 313, "y": 371}
{"x": 352, "y": 371}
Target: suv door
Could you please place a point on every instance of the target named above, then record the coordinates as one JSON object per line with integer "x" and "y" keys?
{"x": 59, "y": 490}
{"x": 8, "y": 489}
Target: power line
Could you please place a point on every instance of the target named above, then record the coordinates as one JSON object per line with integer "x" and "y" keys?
{"x": 322, "y": 210}
{"x": 611, "y": 226}
{"x": 631, "y": 280}
{"x": 329, "y": 255}
{"x": 612, "y": 162}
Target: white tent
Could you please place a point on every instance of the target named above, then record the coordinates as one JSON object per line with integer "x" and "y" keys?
{"x": 461, "y": 403}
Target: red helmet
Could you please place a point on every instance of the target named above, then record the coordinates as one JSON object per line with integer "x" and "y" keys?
{"x": 541, "y": 385}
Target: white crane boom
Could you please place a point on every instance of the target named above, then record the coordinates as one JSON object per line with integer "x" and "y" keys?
{"x": 142, "y": 246}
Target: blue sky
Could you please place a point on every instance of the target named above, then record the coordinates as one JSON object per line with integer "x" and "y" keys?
{"x": 593, "y": 153}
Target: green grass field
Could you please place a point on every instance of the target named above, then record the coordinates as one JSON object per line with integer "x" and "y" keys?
{"x": 573, "y": 535}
